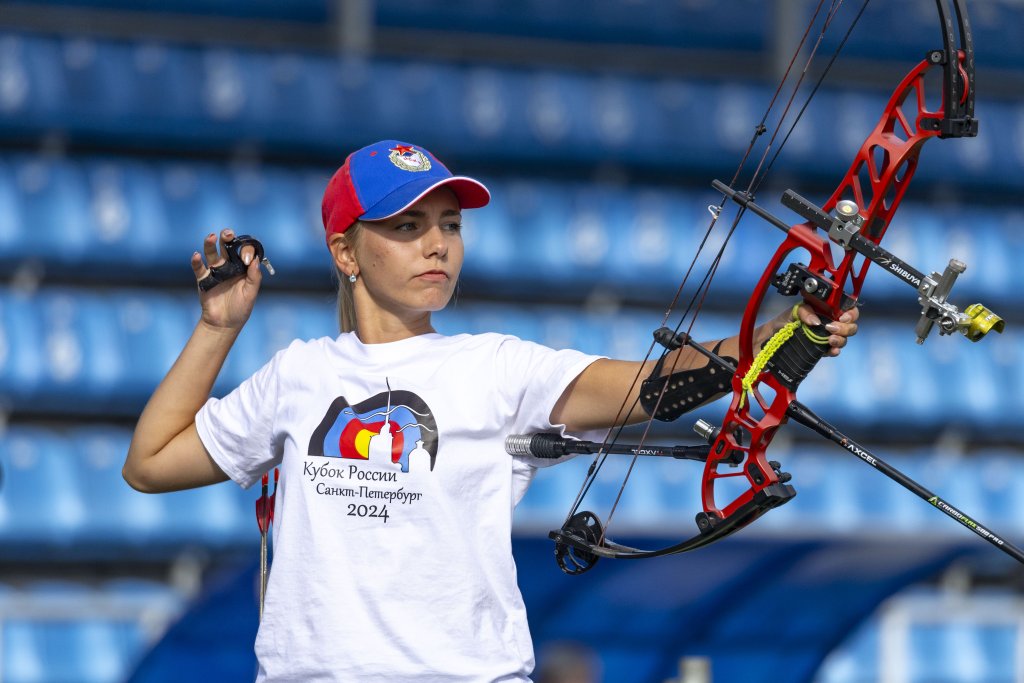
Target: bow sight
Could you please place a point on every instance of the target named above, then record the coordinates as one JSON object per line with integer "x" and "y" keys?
{"x": 844, "y": 228}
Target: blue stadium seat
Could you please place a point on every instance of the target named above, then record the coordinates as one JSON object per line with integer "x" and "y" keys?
{"x": 143, "y": 594}
{"x": 57, "y": 630}
{"x": 11, "y": 236}
{"x": 23, "y": 362}
{"x": 24, "y": 660}
{"x": 31, "y": 65}
{"x": 126, "y": 227}
{"x": 197, "y": 201}
{"x": 668, "y": 491}
{"x": 91, "y": 650}
{"x": 882, "y": 503}
{"x": 997, "y": 481}
{"x": 551, "y": 491}
{"x": 120, "y": 517}
{"x": 271, "y": 205}
{"x": 218, "y": 516}
{"x": 42, "y": 503}
{"x": 51, "y": 193}
{"x": 826, "y": 500}
{"x": 566, "y": 329}
{"x": 501, "y": 319}
{"x": 67, "y": 492}
{"x": 300, "y": 10}
{"x": 615, "y": 21}
{"x": 946, "y": 651}
{"x": 279, "y": 80}
{"x": 78, "y": 645}
{"x": 152, "y": 329}
{"x": 995, "y": 263}
{"x": 894, "y": 359}
{"x": 973, "y": 237}
{"x": 856, "y": 660}
{"x": 83, "y": 356}
{"x": 98, "y": 78}
{"x": 999, "y": 650}
{"x": 493, "y": 110}
{"x": 651, "y": 236}
{"x": 492, "y": 238}
{"x": 274, "y": 324}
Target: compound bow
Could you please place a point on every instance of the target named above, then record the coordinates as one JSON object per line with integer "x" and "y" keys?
{"x": 764, "y": 383}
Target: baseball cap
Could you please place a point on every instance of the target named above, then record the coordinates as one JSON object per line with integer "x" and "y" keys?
{"x": 383, "y": 179}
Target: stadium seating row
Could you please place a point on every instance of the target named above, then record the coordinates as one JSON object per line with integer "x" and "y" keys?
{"x": 884, "y": 31}
{"x": 295, "y": 10}
{"x": 54, "y": 632}
{"x": 58, "y": 632}
{"x": 77, "y": 352}
{"x": 116, "y": 221}
{"x": 922, "y": 637}
{"x": 124, "y": 94}
{"x": 63, "y": 491}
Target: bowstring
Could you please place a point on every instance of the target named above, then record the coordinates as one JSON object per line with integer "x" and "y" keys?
{"x": 704, "y": 286}
{"x": 761, "y": 172}
{"x": 817, "y": 85}
{"x": 756, "y": 180}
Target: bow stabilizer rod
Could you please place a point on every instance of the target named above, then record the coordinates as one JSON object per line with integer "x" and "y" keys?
{"x": 803, "y": 415}
{"x": 551, "y": 446}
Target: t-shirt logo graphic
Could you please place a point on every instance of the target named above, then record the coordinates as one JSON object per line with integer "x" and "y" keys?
{"x": 392, "y": 430}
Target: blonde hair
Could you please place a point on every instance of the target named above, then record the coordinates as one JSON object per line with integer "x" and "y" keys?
{"x": 346, "y": 304}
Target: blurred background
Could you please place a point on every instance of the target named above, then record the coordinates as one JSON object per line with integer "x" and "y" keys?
{"x": 129, "y": 130}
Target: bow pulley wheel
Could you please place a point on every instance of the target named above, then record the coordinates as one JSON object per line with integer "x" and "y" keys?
{"x": 583, "y": 530}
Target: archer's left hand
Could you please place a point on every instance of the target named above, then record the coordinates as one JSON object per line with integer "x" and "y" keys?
{"x": 841, "y": 330}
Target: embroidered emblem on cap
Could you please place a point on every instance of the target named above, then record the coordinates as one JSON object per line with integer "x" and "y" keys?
{"x": 409, "y": 159}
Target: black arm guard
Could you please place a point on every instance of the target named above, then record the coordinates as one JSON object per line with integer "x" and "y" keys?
{"x": 686, "y": 389}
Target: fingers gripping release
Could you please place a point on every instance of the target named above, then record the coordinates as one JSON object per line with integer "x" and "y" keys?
{"x": 234, "y": 265}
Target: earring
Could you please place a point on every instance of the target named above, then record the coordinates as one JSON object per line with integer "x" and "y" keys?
{"x": 352, "y": 277}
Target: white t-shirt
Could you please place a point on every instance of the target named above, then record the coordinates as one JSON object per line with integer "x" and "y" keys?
{"x": 392, "y": 534}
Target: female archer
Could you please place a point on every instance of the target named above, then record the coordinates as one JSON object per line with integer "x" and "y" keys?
{"x": 401, "y": 568}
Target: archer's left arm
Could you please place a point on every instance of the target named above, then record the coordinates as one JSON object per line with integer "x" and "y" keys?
{"x": 594, "y": 399}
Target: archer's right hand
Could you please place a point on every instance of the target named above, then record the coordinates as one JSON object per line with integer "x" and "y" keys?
{"x": 229, "y": 304}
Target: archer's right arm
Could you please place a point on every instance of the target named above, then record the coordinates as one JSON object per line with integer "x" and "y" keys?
{"x": 166, "y": 453}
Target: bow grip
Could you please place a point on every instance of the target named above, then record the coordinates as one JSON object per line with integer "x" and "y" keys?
{"x": 798, "y": 355}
